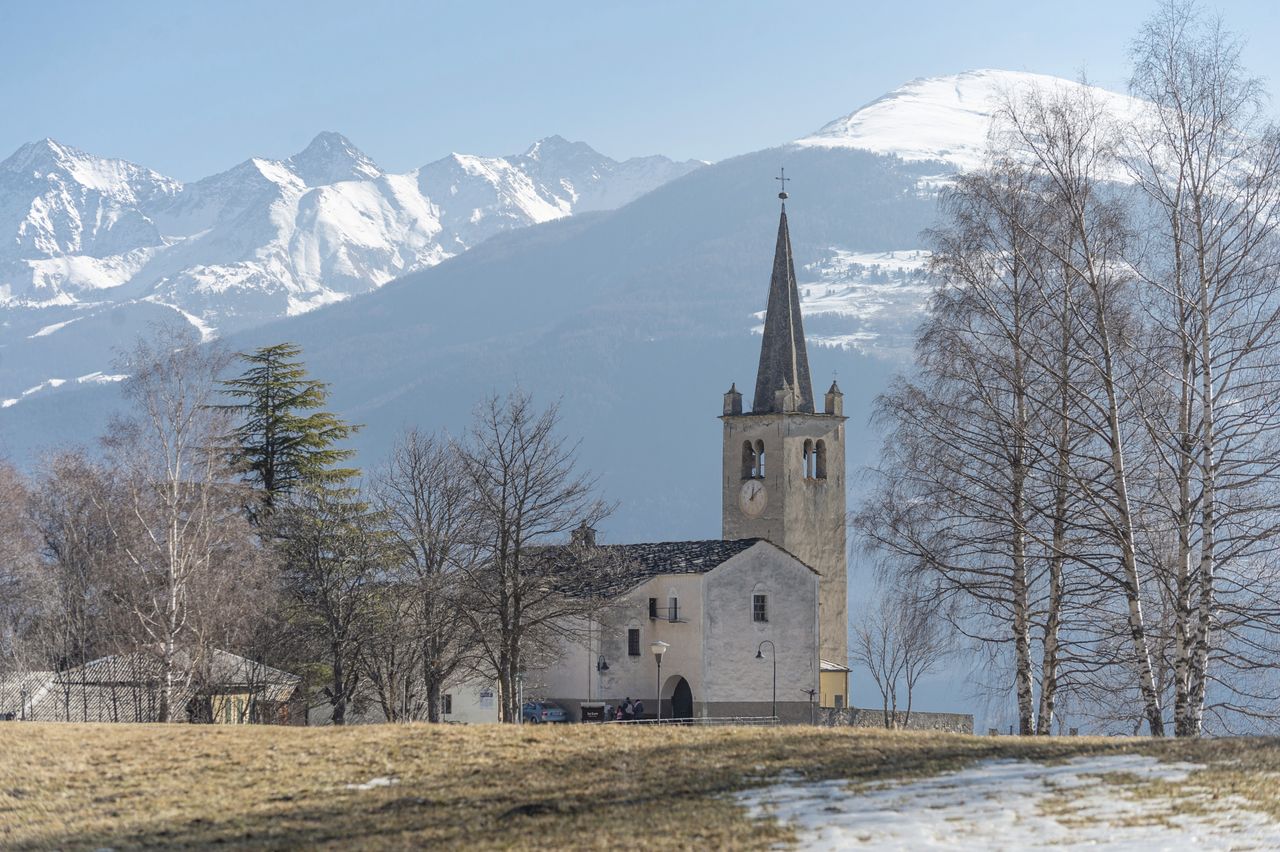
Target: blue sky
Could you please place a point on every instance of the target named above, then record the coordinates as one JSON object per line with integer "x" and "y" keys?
{"x": 190, "y": 89}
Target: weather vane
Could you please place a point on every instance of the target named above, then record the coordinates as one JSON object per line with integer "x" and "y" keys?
{"x": 782, "y": 176}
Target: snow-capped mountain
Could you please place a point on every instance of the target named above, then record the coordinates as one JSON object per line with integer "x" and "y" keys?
{"x": 93, "y": 250}
{"x": 945, "y": 119}
{"x": 271, "y": 238}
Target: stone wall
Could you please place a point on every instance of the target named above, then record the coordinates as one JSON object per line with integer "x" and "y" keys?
{"x": 857, "y": 717}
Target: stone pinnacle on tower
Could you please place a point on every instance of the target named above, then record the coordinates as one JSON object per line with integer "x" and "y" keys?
{"x": 784, "y": 361}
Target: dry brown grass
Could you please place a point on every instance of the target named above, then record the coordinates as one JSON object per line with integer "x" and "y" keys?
{"x": 140, "y": 786}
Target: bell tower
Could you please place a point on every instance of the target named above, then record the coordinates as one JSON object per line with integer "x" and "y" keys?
{"x": 784, "y": 474}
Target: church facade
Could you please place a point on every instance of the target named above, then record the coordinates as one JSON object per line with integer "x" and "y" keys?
{"x": 754, "y": 623}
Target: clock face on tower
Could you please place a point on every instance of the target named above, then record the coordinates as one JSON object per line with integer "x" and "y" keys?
{"x": 752, "y": 498}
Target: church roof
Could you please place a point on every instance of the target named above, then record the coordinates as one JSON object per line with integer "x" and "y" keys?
{"x": 614, "y": 568}
{"x": 650, "y": 559}
{"x": 784, "y": 360}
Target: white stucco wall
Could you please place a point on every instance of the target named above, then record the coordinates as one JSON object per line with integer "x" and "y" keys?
{"x": 733, "y": 674}
{"x": 470, "y": 705}
{"x": 575, "y": 677}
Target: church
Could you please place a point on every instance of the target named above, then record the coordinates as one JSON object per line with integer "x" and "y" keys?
{"x": 753, "y": 624}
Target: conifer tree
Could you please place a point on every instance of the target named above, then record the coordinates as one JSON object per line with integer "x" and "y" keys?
{"x": 285, "y": 439}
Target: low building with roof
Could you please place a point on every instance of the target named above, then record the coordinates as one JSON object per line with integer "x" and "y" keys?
{"x": 222, "y": 688}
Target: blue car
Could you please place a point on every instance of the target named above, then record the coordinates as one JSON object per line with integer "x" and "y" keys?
{"x": 537, "y": 712}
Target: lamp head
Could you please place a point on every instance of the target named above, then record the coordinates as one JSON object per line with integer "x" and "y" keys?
{"x": 759, "y": 653}
{"x": 659, "y": 648}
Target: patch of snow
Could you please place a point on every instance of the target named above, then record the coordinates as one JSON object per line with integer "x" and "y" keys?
{"x": 207, "y": 332}
{"x": 101, "y": 378}
{"x": 373, "y": 783}
{"x": 1010, "y": 805}
{"x": 47, "y": 384}
{"x": 50, "y": 329}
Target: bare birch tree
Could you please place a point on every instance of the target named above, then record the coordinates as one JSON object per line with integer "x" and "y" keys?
{"x": 175, "y": 516}
{"x": 1071, "y": 141}
{"x": 1208, "y": 161}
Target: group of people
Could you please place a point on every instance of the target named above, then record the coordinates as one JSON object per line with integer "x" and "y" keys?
{"x": 627, "y": 711}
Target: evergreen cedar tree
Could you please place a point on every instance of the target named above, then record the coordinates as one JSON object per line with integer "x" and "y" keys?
{"x": 285, "y": 440}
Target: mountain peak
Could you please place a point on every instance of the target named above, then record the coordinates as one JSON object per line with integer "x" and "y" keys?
{"x": 558, "y": 146}
{"x": 330, "y": 158}
{"x": 104, "y": 174}
{"x": 944, "y": 118}
{"x": 43, "y": 153}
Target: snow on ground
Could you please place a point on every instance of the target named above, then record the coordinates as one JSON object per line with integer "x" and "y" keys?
{"x": 1014, "y": 805}
{"x": 374, "y": 783}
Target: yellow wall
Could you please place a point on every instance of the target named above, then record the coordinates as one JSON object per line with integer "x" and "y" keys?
{"x": 230, "y": 709}
{"x": 831, "y": 684}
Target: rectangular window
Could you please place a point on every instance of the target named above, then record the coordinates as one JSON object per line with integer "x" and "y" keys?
{"x": 633, "y": 642}
{"x": 653, "y": 607}
{"x": 448, "y": 703}
{"x": 486, "y": 698}
{"x": 673, "y": 610}
{"x": 759, "y": 608}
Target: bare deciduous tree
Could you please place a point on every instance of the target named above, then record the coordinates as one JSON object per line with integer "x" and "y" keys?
{"x": 424, "y": 497}
{"x": 526, "y": 492}
{"x": 899, "y": 638}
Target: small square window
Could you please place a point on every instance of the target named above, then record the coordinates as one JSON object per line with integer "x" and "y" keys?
{"x": 633, "y": 642}
{"x": 759, "y": 607}
{"x": 653, "y": 607}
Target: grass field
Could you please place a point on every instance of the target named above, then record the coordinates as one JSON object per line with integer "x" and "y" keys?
{"x": 131, "y": 786}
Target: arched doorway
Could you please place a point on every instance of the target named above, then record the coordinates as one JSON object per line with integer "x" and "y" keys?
{"x": 681, "y": 700}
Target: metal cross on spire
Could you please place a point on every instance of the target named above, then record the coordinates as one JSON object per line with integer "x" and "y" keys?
{"x": 782, "y": 176}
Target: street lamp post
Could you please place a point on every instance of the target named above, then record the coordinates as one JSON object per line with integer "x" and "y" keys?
{"x": 773, "y": 653}
{"x": 659, "y": 648}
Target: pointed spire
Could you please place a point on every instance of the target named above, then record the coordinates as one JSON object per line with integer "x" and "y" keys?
{"x": 784, "y": 361}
